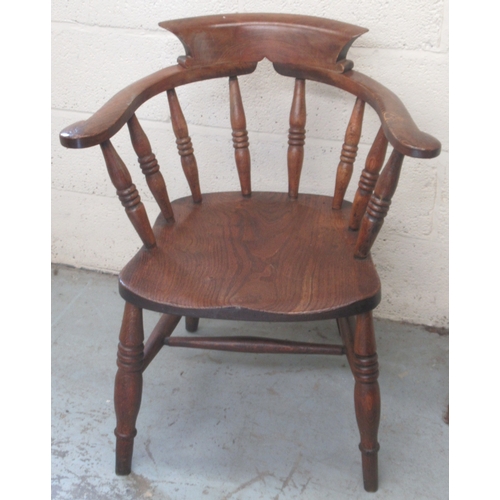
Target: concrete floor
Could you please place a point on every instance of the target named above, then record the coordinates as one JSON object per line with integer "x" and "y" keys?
{"x": 216, "y": 425}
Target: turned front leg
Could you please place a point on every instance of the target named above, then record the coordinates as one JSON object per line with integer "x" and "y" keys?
{"x": 128, "y": 386}
{"x": 367, "y": 397}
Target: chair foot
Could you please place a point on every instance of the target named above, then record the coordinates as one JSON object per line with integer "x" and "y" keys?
{"x": 192, "y": 324}
{"x": 124, "y": 452}
{"x": 128, "y": 386}
{"x": 369, "y": 461}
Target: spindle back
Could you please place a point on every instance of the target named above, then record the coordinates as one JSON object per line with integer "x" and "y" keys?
{"x": 302, "y": 47}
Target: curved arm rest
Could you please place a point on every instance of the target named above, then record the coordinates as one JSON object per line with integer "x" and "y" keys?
{"x": 398, "y": 126}
{"x": 108, "y": 120}
{"x": 103, "y": 124}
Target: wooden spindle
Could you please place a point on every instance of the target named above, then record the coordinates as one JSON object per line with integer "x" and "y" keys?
{"x": 255, "y": 345}
{"x": 379, "y": 203}
{"x": 184, "y": 145}
{"x": 348, "y": 154}
{"x": 240, "y": 136}
{"x": 296, "y": 137}
{"x": 368, "y": 179}
{"x": 156, "y": 340}
{"x": 127, "y": 193}
{"x": 367, "y": 397}
{"x": 128, "y": 386}
{"x": 149, "y": 166}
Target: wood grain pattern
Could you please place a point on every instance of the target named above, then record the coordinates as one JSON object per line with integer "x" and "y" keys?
{"x": 240, "y": 136}
{"x": 296, "y": 137}
{"x": 266, "y": 258}
{"x": 127, "y": 193}
{"x": 368, "y": 179}
{"x": 348, "y": 154}
{"x": 184, "y": 146}
{"x": 150, "y": 168}
{"x": 212, "y": 40}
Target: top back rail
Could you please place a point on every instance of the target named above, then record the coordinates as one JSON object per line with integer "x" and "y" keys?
{"x": 302, "y": 47}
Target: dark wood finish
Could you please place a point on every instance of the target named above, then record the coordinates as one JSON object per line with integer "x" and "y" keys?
{"x": 284, "y": 38}
{"x": 254, "y": 345}
{"x": 296, "y": 137}
{"x": 397, "y": 123}
{"x": 379, "y": 203}
{"x": 192, "y": 324}
{"x": 369, "y": 177}
{"x": 164, "y": 328}
{"x": 268, "y": 256}
{"x": 359, "y": 341}
{"x": 149, "y": 166}
{"x": 128, "y": 386}
{"x": 367, "y": 397}
{"x": 348, "y": 154}
{"x": 127, "y": 193}
{"x": 184, "y": 145}
{"x": 109, "y": 119}
{"x": 240, "y": 136}
{"x": 263, "y": 258}
{"x": 346, "y": 326}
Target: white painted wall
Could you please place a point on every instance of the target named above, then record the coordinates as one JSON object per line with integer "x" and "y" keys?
{"x": 100, "y": 46}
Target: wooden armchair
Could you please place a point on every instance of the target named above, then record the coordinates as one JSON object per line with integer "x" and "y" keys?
{"x": 255, "y": 256}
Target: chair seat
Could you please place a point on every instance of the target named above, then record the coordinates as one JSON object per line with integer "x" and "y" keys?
{"x": 266, "y": 257}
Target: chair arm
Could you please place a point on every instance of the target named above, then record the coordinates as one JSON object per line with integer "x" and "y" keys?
{"x": 397, "y": 124}
{"x": 108, "y": 120}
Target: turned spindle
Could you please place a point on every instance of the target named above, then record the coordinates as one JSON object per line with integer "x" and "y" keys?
{"x": 128, "y": 386}
{"x": 184, "y": 145}
{"x": 368, "y": 179}
{"x": 240, "y": 136}
{"x": 127, "y": 193}
{"x": 296, "y": 137}
{"x": 379, "y": 203}
{"x": 348, "y": 154}
{"x": 367, "y": 397}
{"x": 149, "y": 166}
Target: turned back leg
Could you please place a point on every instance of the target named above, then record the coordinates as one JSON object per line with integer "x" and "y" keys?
{"x": 192, "y": 324}
{"x": 128, "y": 386}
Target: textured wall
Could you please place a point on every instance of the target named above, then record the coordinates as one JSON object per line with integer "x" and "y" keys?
{"x": 100, "y": 46}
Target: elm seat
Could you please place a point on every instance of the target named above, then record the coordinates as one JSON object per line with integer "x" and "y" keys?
{"x": 265, "y": 257}
{"x": 256, "y": 256}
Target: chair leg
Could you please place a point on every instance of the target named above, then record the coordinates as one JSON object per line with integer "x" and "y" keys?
{"x": 367, "y": 397}
{"x": 128, "y": 386}
{"x": 192, "y": 324}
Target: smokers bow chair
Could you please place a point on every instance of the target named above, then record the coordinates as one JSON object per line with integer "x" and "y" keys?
{"x": 255, "y": 256}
